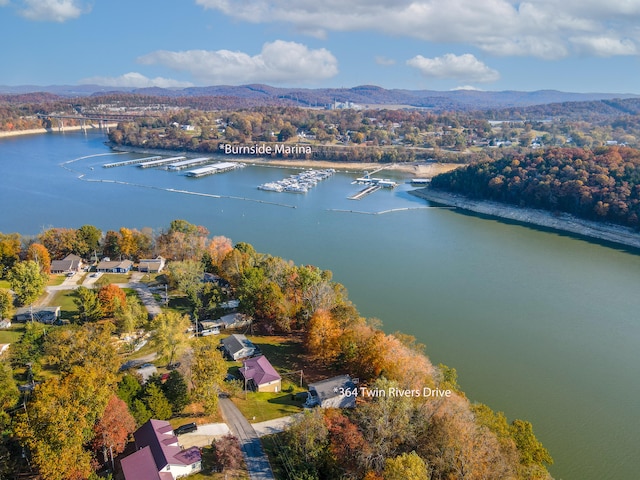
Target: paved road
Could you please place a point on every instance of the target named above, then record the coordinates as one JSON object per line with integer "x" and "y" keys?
{"x": 257, "y": 461}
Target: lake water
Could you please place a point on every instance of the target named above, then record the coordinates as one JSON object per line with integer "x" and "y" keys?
{"x": 540, "y": 325}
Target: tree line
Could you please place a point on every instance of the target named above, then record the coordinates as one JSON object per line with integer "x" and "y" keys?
{"x": 601, "y": 184}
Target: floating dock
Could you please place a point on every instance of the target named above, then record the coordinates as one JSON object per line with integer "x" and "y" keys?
{"x": 300, "y": 183}
{"x": 192, "y": 162}
{"x": 130, "y": 162}
{"x": 372, "y": 185}
{"x": 213, "y": 169}
{"x": 162, "y": 161}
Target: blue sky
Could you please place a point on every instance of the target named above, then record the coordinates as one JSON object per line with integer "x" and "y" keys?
{"x": 569, "y": 45}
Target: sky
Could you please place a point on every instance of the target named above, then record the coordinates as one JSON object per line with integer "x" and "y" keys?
{"x": 494, "y": 45}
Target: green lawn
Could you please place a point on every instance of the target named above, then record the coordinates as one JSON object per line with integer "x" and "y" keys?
{"x": 64, "y": 299}
{"x": 114, "y": 278}
{"x": 262, "y": 406}
{"x": 55, "y": 280}
{"x": 12, "y": 334}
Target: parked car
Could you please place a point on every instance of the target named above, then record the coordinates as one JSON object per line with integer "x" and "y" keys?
{"x": 173, "y": 366}
{"x": 186, "y": 428}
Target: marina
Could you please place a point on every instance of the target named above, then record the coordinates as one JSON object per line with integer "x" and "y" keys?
{"x": 131, "y": 162}
{"x": 300, "y": 183}
{"x": 213, "y": 169}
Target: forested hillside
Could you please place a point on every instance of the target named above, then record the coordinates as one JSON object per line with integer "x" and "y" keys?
{"x": 603, "y": 184}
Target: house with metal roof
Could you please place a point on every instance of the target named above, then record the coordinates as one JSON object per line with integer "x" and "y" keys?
{"x": 335, "y": 392}
{"x": 259, "y": 375}
{"x": 237, "y": 346}
{"x": 159, "y": 456}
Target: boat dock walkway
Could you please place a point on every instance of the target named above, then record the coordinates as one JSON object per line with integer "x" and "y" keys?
{"x": 131, "y": 162}
{"x": 161, "y": 161}
{"x": 363, "y": 193}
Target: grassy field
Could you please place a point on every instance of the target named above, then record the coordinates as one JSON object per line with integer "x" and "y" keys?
{"x": 55, "y": 280}
{"x": 13, "y": 334}
{"x": 262, "y": 406}
{"x": 64, "y": 299}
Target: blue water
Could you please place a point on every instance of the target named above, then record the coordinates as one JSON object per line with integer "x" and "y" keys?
{"x": 540, "y": 325}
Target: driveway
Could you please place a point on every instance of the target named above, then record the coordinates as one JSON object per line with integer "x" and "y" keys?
{"x": 257, "y": 461}
{"x": 204, "y": 436}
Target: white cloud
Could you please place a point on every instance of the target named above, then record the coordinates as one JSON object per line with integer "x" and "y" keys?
{"x": 384, "y": 61}
{"x": 135, "y": 80}
{"x": 4, "y": 2}
{"x": 469, "y": 88}
{"x": 52, "y": 10}
{"x": 604, "y": 46}
{"x": 539, "y": 28}
{"x": 278, "y": 62}
{"x": 462, "y": 67}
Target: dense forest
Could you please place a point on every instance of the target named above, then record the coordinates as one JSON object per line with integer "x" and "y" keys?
{"x": 78, "y": 387}
{"x": 601, "y": 184}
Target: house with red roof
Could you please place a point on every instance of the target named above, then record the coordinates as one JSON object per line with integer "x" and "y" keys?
{"x": 159, "y": 456}
{"x": 260, "y": 375}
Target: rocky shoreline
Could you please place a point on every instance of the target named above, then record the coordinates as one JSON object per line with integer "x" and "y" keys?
{"x": 562, "y": 221}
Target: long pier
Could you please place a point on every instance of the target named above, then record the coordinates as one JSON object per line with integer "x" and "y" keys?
{"x": 363, "y": 193}
{"x": 193, "y": 162}
{"x": 162, "y": 161}
{"x": 130, "y": 162}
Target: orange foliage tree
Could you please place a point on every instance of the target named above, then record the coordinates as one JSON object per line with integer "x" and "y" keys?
{"x": 111, "y": 298}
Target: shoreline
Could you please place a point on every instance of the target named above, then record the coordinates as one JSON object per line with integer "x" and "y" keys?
{"x": 422, "y": 170}
{"x": 562, "y": 222}
{"x": 39, "y": 131}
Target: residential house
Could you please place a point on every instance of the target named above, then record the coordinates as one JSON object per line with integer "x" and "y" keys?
{"x": 237, "y": 346}
{"x": 69, "y": 264}
{"x": 108, "y": 266}
{"x": 333, "y": 392}
{"x": 159, "y": 455}
{"x": 259, "y": 375}
{"x": 233, "y": 320}
{"x": 48, "y": 315}
{"x": 151, "y": 265}
{"x": 5, "y": 323}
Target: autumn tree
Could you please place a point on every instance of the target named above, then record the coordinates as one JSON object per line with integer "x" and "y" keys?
{"x": 406, "y": 466}
{"x": 6, "y": 303}
{"x": 323, "y": 335}
{"x": 218, "y": 248}
{"x": 60, "y": 242}
{"x": 113, "y": 428}
{"x": 27, "y": 281}
{"x": 9, "y": 252}
{"x": 88, "y": 346}
{"x": 9, "y": 393}
{"x": 170, "y": 334}
{"x": 182, "y": 241}
{"x": 111, "y": 298}
{"x": 89, "y": 308}
{"x": 227, "y": 452}
{"x": 306, "y": 445}
{"x": 156, "y": 402}
{"x": 39, "y": 254}
{"x": 208, "y": 370}
{"x": 130, "y": 316}
{"x": 70, "y": 404}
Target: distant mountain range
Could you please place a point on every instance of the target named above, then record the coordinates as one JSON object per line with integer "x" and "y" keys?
{"x": 364, "y": 95}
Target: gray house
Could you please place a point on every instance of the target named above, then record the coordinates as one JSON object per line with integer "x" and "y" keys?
{"x": 335, "y": 392}
{"x": 237, "y": 346}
